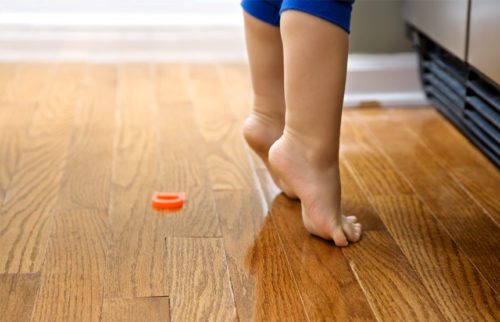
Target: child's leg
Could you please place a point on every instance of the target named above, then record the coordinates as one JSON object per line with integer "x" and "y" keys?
{"x": 307, "y": 155}
{"x": 265, "y": 123}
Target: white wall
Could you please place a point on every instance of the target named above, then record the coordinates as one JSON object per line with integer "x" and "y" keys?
{"x": 120, "y": 12}
{"x": 124, "y": 6}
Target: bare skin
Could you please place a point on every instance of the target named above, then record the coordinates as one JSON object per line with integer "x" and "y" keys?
{"x": 266, "y": 122}
{"x": 304, "y": 160}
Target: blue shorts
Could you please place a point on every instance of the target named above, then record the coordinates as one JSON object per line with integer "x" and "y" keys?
{"x": 334, "y": 11}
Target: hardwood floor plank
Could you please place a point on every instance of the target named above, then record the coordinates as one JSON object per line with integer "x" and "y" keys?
{"x": 183, "y": 156}
{"x": 228, "y": 162}
{"x": 136, "y": 257}
{"x": 180, "y": 139}
{"x": 140, "y": 167}
{"x": 462, "y": 160}
{"x": 482, "y": 187}
{"x": 451, "y": 149}
{"x": 198, "y": 280}
{"x": 263, "y": 286}
{"x": 380, "y": 178}
{"x": 328, "y": 287}
{"x": 182, "y": 150}
{"x": 455, "y": 285}
{"x": 172, "y": 84}
{"x": 14, "y": 125}
{"x": 7, "y": 76}
{"x": 135, "y": 254}
{"x": 426, "y": 232}
{"x": 181, "y": 147}
{"x": 13, "y": 136}
{"x": 136, "y": 309}
{"x": 33, "y": 79}
{"x": 25, "y": 217}
{"x": 227, "y": 159}
{"x": 87, "y": 178}
{"x": 394, "y": 290}
{"x": 237, "y": 88}
{"x": 72, "y": 276}
{"x": 354, "y": 202}
{"x": 17, "y": 295}
{"x": 71, "y": 285}
{"x": 470, "y": 227}
{"x": 83, "y": 147}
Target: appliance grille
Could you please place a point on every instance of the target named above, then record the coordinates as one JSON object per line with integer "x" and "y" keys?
{"x": 466, "y": 97}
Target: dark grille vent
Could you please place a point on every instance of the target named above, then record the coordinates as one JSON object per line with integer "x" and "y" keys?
{"x": 467, "y": 98}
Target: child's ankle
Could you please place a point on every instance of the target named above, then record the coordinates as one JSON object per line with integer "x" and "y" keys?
{"x": 320, "y": 154}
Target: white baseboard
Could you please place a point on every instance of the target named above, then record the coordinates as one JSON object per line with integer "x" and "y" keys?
{"x": 123, "y": 44}
{"x": 384, "y": 80}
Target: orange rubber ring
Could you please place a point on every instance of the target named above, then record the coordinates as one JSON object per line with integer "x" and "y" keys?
{"x": 168, "y": 200}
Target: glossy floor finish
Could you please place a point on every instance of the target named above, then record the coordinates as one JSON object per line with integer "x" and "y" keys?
{"x": 83, "y": 147}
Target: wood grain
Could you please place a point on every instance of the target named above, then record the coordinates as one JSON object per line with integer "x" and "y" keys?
{"x": 82, "y": 148}
{"x": 34, "y": 79}
{"x": 71, "y": 285}
{"x": 237, "y": 88}
{"x": 469, "y": 226}
{"x": 135, "y": 254}
{"x": 328, "y": 287}
{"x": 474, "y": 172}
{"x": 14, "y": 125}
{"x": 182, "y": 155}
{"x": 354, "y": 202}
{"x": 198, "y": 280}
{"x": 182, "y": 150}
{"x": 172, "y": 85}
{"x": 72, "y": 277}
{"x": 381, "y": 179}
{"x": 135, "y": 266}
{"x": 87, "y": 177}
{"x": 451, "y": 149}
{"x": 25, "y": 217}
{"x": 263, "y": 286}
{"x": 7, "y": 75}
{"x": 227, "y": 159}
{"x": 429, "y": 234}
{"x": 17, "y": 295}
{"x": 181, "y": 142}
{"x": 13, "y": 134}
{"x": 455, "y": 285}
{"x": 148, "y": 309}
{"x": 382, "y": 269}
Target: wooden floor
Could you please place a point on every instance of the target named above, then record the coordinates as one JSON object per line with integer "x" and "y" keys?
{"x": 82, "y": 148}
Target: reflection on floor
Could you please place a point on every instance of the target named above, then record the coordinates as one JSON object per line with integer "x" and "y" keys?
{"x": 83, "y": 147}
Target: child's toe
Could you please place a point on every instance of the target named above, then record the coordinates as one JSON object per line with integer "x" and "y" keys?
{"x": 353, "y": 231}
{"x": 339, "y": 238}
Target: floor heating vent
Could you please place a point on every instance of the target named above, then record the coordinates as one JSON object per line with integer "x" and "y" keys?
{"x": 466, "y": 97}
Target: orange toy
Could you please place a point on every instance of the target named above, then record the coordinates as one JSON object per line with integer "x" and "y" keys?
{"x": 168, "y": 200}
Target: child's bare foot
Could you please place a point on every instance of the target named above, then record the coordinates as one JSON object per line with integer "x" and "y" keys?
{"x": 261, "y": 131}
{"x": 315, "y": 179}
